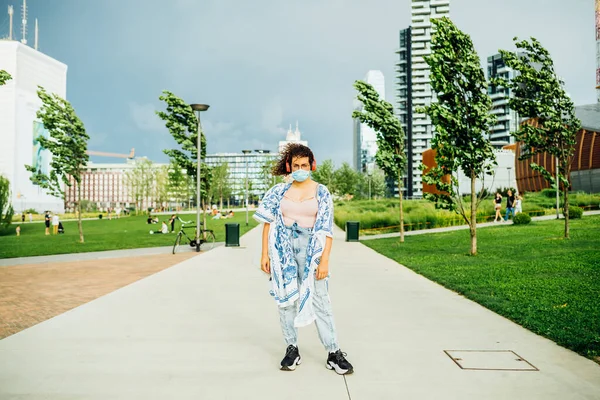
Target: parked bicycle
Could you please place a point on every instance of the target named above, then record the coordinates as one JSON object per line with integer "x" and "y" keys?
{"x": 206, "y": 242}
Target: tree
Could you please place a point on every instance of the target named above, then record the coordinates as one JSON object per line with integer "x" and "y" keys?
{"x": 4, "y": 77}
{"x": 462, "y": 120}
{"x": 182, "y": 124}
{"x": 390, "y": 157}
{"x": 345, "y": 180}
{"x": 177, "y": 184}
{"x": 161, "y": 185}
{"x": 68, "y": 146}
{"x": 373, "y": 184}
{"x": 267, "y": 178}
{"x": 219, "y": 187}
{"x": 140, "y": 181}
{"x": 324, "y": 174}
{"x": 6, "y": 209}
{"x": 539, "y": 93}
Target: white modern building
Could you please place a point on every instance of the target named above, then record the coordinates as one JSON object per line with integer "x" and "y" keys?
{"x": 292, "y": 137}
{"x": 506, "y": 119}
{"x": 365, "y": 138}
{"x": 504, "y": 175}
{"x": 19, "y": 126}
{"x": 414, "y": 87}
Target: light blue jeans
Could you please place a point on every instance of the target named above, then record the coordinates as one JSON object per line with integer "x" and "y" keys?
{"x": 321, "y": 302}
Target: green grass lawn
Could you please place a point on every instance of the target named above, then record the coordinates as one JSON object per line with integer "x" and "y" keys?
{"x": 124, "y": 233}
{"x": 528, "y": 274}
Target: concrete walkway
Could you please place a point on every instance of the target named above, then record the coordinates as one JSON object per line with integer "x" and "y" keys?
{"x": 97, "y": 255}
{"x": 207, "y": 329}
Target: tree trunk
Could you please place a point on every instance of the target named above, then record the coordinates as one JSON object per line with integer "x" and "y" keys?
{"x": 473, "y": 224}
{"x": 79, "y": 213}
{"x": 204, "y": 215}
{"x": 401, "y": 207}
{"x": 566, "y": 210}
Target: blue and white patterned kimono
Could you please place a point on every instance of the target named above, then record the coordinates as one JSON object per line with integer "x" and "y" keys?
{"x": 285, "y": 288}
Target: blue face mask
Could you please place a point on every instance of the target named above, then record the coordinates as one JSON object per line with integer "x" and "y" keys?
{"x": 300, "y": 175}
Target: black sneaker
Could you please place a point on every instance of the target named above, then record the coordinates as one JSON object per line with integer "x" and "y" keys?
{"x": 337, "y": 361}
{"x": 291, "y": 359}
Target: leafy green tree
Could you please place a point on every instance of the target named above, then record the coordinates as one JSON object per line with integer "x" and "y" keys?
{"x": 6, "y": 209}
{"x": 177, "y": 184}
{"x": 182, "y": 123}
{"x": 325, "y": 174}
{"x": 539, "y": 93}
{"x": 462, "y": 121}
{"x": 346, "y": 181}
{"x": 219, "y": 187}
{"x": 161, "y": 185}
{"x": 4, "y": 77}
{"x": 267, "y": 178}
{"x": 140, "y": 181}
{"x": 379, "y": 115}
{"x": 68, "y": 146}
{"x": 373, "y": 185}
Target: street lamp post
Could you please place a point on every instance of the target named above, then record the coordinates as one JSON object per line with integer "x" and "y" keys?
{"x": 198, "y": 108}
{"x": 246, "y": 152}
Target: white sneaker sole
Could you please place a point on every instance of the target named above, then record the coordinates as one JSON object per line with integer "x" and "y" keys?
{"x": 337, "y": 369}
{"x": 292, "y": 367}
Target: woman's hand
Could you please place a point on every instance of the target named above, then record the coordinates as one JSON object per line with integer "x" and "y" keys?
{"x": 322, "y": 270}
{"x": 265, "y": 264}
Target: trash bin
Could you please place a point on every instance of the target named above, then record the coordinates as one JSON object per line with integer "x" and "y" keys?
{"x": 232, "y": 235}
{"x": 100, "y": 216}
{"x": 352, "y": 228}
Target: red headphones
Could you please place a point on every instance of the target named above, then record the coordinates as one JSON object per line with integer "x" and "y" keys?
{"x": 288, "y": 166}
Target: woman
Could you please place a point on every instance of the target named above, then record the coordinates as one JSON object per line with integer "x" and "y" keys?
{"x": 296, "y": 243}
{"x": 497, "y": 206}
{"x": 519, "y": 205}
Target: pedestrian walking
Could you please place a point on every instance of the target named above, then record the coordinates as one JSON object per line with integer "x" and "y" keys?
{"x": 498, "y": 206}
{"x": 296, "y": 244}
{"x": 519, "y": 205}
{"x": 47, "y": 222}
{"x": 172, "y": 222}
{"x": 30, "y": 217}
{"x": 510, "y": 205}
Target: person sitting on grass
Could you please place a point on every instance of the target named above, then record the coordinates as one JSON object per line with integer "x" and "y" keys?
{"x": 163, "y": 229}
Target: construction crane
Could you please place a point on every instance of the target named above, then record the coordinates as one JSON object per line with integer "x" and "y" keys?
{"x": 116, "y": 155}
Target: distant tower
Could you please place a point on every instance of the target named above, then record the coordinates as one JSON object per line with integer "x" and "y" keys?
{"x": 24, "y": 22}
{"x": 598, "y": 50}
{"x": 10, "y": 24}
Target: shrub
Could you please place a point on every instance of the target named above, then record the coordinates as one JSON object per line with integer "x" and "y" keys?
{"x": 550, "y": 193}
{"x": 521, "y": 219}
{"x": 575, "y": 212}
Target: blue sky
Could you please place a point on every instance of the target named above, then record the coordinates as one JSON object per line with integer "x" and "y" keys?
{"x": 263, "y": 64}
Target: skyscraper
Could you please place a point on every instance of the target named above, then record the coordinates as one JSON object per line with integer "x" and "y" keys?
{"x": 507, "y": 119}
{"x": 405, "y": 101}
{"x": 365, "y": 138}
{"x": 414, "y": 88}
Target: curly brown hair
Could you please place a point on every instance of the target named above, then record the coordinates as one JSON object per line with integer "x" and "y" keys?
{"x": 291, "y": 151}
